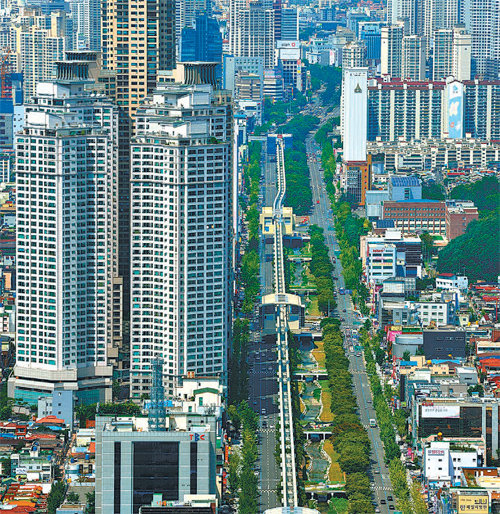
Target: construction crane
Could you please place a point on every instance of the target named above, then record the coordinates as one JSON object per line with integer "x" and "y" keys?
{"x": 5, "y": 70}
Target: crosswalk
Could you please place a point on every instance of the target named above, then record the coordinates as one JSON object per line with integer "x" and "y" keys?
{"x": 381, "y": 488}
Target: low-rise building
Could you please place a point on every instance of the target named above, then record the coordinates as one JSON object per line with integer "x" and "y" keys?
{"x": 452, "y": 281}
{"x": 411, "y": 216}
{"x": 444, "y": 460}
{"x": 459, "y": 213}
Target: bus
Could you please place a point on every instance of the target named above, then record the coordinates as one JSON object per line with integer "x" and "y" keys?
{"x": 373, "y": 423}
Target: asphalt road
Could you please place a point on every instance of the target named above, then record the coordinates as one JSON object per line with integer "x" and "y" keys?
{"x": 263, "y": 385}
{"x": 322, "y": 216}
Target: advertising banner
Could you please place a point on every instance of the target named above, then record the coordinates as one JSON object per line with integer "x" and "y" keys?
{"x": 456, "y": 110}
{"x": 473, "y": 504}
{"x": 440, "y": 411}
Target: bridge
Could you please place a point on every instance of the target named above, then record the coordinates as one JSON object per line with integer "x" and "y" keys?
{"x": 287, "y": 443}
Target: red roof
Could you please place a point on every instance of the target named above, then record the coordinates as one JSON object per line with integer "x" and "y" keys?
{"x": 446, "y": 275}
{"x": 51, "y": 420}
{"x": 90, "y": 423}
{"x": 92, "y": 447}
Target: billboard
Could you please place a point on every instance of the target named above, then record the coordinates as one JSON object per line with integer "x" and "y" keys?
{"x": 456, "y": 110}
{"x": 440, "y": 411}
{"x": 473, "y": 504}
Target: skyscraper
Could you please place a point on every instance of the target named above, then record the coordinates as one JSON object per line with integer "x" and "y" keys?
{"x": 38, "y": 42}
{"x": 254, "y": 31}
{"x": 442, "y": 54}
{"x": 482, "y": 21}
{"x": 353, "y": 55}
{"x": 181, "y": 227}
{"x": 413, "y": 61}
{"x": 202, "y": 41}
{"x": 289, "y": 24}
{"x": 186, "y": 12}
{"x": 354, "y": 114}
{"x": 391, "y": 50}
{"x": 67, "y": 211}
{"x": 462, "y": 53}
{"x": 138, "y": 39}
{"x": 86, "y": 16}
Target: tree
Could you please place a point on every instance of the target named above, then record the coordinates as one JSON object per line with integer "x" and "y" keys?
{"x": 474, "y": 253}
{"x": 361, "y": 506}
{"x": 6, "y": 467}
{"x": 90, "y": 508}
{"x": 478, "y": 388}
{"x": 56, "y": 497}
{"x": 73, "y": 497}
{"x": 406, "y": 355}
{"x": 427, "y": 246}
{"x": 433, "y": 191}
{"x": 357, "y": 484}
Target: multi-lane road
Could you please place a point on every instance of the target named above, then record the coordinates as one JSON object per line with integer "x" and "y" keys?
{"x": 263, "y": 385}
{"x": 323, "y": 217}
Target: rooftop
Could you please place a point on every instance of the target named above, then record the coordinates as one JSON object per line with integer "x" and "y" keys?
{"x": 405, "y": 181}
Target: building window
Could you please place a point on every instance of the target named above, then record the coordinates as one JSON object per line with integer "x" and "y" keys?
{"x": 117, "y": 477}
{"x": 193, "y": 480}
{"x": 156, "y": 470}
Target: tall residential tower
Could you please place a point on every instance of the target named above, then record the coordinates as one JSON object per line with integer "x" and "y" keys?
{"x": 66, "y": 258}
{"x": 181, "y": 234}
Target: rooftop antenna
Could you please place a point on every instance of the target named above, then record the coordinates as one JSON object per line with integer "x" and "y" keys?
{"x": 156, "y": 413}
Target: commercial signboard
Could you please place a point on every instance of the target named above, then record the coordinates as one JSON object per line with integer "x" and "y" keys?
{"x": 440, "y": 411}
{"x": 473, "y": 504}
{"x": 456, "y": 110}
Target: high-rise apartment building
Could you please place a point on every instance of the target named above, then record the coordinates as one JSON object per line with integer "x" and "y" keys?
{"x": 186, "y": 12}
{"x": 413, "y": 62}
{"x": 254, "y": 31}
{"x": 439, "y": 14}
{"x": 86, "y": 16}
{"x": 38, "y": 42}
{"x": 391, "y": 51}
{"x": 422, "y": 110}
{"x": 354, "y": 114}
{"x": 408, "y": 11}
{"x": 482, "y": 21}
{"x": 442, "y": 54}
{"x": 462, "y": 53}
{"x": 138, "y": 39}
{"x": 66, "y": 240}
{"x": 353, "y": 55}
{"x": 181, "y": 234}
{"x": 289, "y": 24}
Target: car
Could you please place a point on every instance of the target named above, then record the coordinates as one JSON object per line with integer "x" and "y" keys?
{"x": 390, "y": 498}
{"x": 391, "y": 507}
{"x": 382, "y": 502}
{"x": 263, "y": 411}
{"x": 377, "y": 509}
{"x": 376, "y": 471}
{"x": 264, "y": 424}
{"x": 358, "y": 355}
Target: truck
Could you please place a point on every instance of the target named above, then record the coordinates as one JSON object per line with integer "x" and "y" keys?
{"x": 373, "y": 423}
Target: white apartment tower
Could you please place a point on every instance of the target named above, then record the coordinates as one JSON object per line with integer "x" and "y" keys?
{"x": 353, "y": 55}
{"x": 354, "y": 114}
{"x": 482, "y": 21}
{"x": 391, "y": 50}
{"x": 413, "y": 62}
{"x": 181, "y": 211}
{"x": 252, "y": 31}
{"x": 442, "y": 55}
{"x": 66, "y": 249}
{"x": 462, "y": 48}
